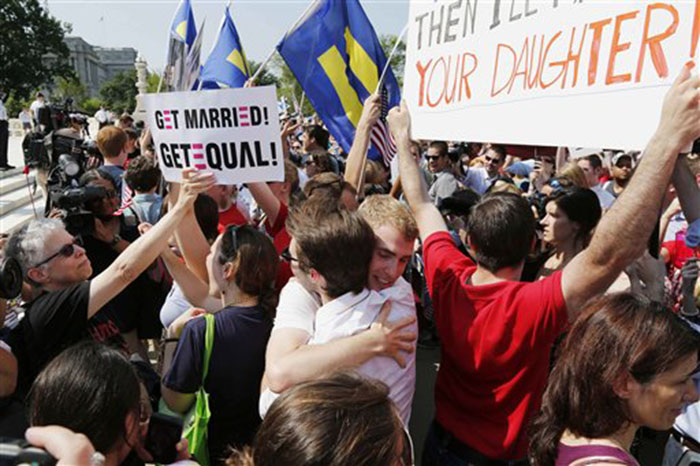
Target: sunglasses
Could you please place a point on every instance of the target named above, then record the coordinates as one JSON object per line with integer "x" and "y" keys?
{"x": 495, "y": 160}
{"x": 66, "y": 251}
{"x": 286, "y": 256}
{"x": 432, "y": 157}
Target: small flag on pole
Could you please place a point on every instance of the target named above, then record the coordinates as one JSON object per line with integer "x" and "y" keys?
{"x": 226, "y": 65}
{"x": 182, "y": 35}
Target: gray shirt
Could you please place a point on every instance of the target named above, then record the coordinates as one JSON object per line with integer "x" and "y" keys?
{"x": 444, "y": 185}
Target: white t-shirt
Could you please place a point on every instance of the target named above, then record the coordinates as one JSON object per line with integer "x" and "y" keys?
{"x": 346, "y": 316}
{"x": 477, "y": 179}
{"x": 36, "y": 105}
{"x": 605, "y": 198}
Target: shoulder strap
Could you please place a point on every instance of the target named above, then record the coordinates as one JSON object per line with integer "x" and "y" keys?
{"x": 208, "y": 344}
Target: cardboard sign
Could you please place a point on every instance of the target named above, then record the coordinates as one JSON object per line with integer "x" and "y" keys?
{"x": 583, "y": 73}
{"x": 233, "y": 133}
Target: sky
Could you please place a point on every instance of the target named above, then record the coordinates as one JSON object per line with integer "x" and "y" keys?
{"x": 144, "y": 24}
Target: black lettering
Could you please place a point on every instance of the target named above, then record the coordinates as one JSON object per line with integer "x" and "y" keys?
{"x": 436, "y": 27}
{"x": 273, "y": 152}
{"x": 469, "y": 13}
{"x": 496, "y": 14}
{"x": 176, "y": 155}
{"x": 420, "y": 19}
{"x": 191, "y": 119}
{"x": 451, "y": 21}
{"x": 235, "y": 116}
{"x": 260, "y": 162}
{"x": 165, "y": 155}
{"x": 186, "y": 153}
{"x": 214, "y": 117}
{"x": 246, "y": 154}
{"x": 512, "y": 9}
{"x": 174, "y": 114}
{"x": 159, "y": 119}
{"x": 528, "y": 11}
{"x": 230, "y": 158}
{"x": 226, "y": 117}
{"x": 255, "y": 115}
{"x": 213, "y": 156}
{"x": 203, "y": 120}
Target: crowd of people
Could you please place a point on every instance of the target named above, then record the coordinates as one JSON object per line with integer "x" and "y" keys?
{"x": 560, "y": 287}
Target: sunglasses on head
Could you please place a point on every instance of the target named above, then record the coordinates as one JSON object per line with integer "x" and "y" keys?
{"x": 233, "y": 232}
{"x": 286, "y": 256}
{"x": 65, "y": 251}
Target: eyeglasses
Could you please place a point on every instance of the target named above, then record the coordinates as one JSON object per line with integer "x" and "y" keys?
{"x": 495, "y": 160}
{"x": 407, "y": 456}
{"x": 66, "y": 251}
{"x": 432, "y": 157}
{"x": 286, "y": 256}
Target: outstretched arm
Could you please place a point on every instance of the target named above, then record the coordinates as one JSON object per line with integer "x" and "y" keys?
{"x": 616, "y": 243}
{"x": 416, "y": 192}
{"x": 142, "y": 252}
{"x": 358, "y": 151}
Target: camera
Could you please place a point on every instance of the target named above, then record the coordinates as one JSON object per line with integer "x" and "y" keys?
{"x": 16, "y": 452}
{"x": 78, "y": 219}
{"x": 10, "y": 278}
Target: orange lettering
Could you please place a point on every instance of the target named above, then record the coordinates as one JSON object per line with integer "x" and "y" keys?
{"x": 657, "y": 53}
{"x": 544, "y": 61}
{"x": 495, "y": 72}
{"x": 465, "y": 76}
{"x": 421, "y": 72}
{"x": 617, "y": 47}
{"x": 595, "y": 48}
{"x": 430, "y": 80}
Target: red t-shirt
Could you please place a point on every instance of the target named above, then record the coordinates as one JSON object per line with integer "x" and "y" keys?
{"x": 281, "y": 240}
{"x": 678, "y": 253}
{"x": 496, "y": 342}
{"x": 231, "y": 216}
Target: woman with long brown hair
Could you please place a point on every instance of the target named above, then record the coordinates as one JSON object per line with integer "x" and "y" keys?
{"x": 625, "y": 363}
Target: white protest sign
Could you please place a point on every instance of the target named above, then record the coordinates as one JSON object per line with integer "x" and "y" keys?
{"x": 233, "y": 133}
{"x": 583, "y": 73}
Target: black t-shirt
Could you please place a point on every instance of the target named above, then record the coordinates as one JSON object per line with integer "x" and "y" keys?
{"x": 53, "y": 322}
{"x": 235, "y": 370}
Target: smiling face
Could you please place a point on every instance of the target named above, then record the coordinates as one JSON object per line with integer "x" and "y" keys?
{"x": 657, "y": 404}
{"x": 391, "y": 255}
{"x": 437, "y": 162}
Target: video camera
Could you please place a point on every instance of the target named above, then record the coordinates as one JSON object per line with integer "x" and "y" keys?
{"x": 73, "y": 201}
{"x": 15, "y": 452}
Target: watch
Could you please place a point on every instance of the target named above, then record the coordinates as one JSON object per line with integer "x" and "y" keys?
{"x": 115, "y": 240}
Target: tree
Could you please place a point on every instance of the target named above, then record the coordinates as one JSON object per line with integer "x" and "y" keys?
{"x": 288, "y": 86}
{"x": 152, "y": 83}
{"x": 398, "y": 61}
{"x": 32, "y": 51}
{"x": 119, "y": 93}
{"x": 266, "y": 76}
{"x": 69, "y": 88}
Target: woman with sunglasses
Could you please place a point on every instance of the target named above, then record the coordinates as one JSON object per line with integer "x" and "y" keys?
{"x": 241, "y": 266}
{"x": 341, "y": 420}
{"x": 625, "y": 363}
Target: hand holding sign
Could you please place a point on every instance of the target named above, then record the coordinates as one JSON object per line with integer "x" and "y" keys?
{"x": 680, "y": 115}
{"x": 400, "y": 122}
{"x": 194, "y": 183}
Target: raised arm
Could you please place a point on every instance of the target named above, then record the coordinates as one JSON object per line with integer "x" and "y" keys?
{"x": 616, "y": 242}
{"x": 416, "y": 192}
{"x": 358, "y": 151}
{"x": 266, "y": 200}
{"x": 142, "y": 252}
{"x": 195, "y": 290}
{"x": 289, "y": 360}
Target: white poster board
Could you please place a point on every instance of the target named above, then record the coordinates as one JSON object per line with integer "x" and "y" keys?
{"x": 233, "y": 133}
{"x": 585, "y": 73}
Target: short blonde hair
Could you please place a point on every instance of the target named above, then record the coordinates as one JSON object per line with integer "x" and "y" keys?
{"x": 574, "y": 174}
{"x": 382, "y": 209}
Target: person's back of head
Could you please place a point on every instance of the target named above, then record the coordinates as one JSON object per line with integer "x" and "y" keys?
{"x": 332, "y": 188}
{"x": 319, "y": 134}
{"x": 91, "y": 389}
{"x": 111, "y": 141}
{"x": 142, "y": 175}
{"x": 619, "y": 339}
{"x": 341, "y": 420}
{"x": 501, "y": 230}
{"x": 206, "y": 211}
{"x": 383, "y": 209}
{"x": 574, "y": 173}
{"x": 338, "y": 244}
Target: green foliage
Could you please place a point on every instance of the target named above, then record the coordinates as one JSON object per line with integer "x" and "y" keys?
{"x": 266, "y": 77}
{"x": 119, "y": 93}
{"x": 15, "y": 105}
{"x": 398, "y": 61}
{"x": 91, "y": 105}
{"x": 32, "y": 51}
{"x": 70, "y": 87}
{"x": 153, "y": 80}
{"x": 288, "y": 86}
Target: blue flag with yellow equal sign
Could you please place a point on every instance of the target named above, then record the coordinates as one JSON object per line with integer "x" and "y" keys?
{"x": 183, "y": 33}
{"x": 226, "y": 65}
{"x": 335, "y": 55}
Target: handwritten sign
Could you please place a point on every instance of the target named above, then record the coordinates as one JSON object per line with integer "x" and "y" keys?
{"x": 587, "y": 73}
{"x": 233, "y": 133}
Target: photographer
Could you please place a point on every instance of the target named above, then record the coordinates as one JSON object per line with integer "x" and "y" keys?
{"x": 54, "y": 262}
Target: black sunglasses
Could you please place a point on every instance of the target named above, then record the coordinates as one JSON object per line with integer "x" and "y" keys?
{"x": 286, "y": 256}
{"x": 233, "y": 231}
{"x": 432, "y": 157}
{"x": 66, "y": 251}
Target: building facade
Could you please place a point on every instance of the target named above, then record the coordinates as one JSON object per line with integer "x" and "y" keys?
{"x": 95, "y": 65}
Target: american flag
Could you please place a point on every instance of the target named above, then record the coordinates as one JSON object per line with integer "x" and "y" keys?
{"x": 126, "y": 196}
{"x": 381, "y": 136}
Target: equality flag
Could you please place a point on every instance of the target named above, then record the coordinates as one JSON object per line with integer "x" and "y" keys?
{"x": 182, "y": 35}
{"x": 190, "y": 79}
{"x": 336, "y": 56}
{"x": 226, "y": 65}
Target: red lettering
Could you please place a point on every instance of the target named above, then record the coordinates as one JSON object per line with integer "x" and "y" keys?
{"x": 595, "y": 48}
{"x": 654, "y": 42}
{"x": 421, "y": 72}
{"x": 465, "y": 76}
{"x": 617, "y": 47}
{"x": 495, "y": 72}
{"x": 430, "y": 80}
{"x": 546, "y": 52}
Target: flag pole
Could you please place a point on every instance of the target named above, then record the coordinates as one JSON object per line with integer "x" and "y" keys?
{"x": 294, "y": 26}
{"x": 391, "y": 55}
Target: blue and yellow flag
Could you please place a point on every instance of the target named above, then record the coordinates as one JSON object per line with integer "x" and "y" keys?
{"x": 181, "y": 42}
{"x": 226, "y": 65}
{"x": 335, "y": 55}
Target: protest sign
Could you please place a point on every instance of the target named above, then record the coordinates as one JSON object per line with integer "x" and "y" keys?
{"x": 585, "y": 73}
{"x": 233, "y": 133}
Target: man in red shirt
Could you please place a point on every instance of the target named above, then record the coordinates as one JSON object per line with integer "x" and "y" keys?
{"x": 228, "y": 210}
{"x": 497, "y": 332}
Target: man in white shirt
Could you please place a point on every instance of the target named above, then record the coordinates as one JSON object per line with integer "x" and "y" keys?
{"x": 102, "y": 116}
{"x": 444, "y": 183}
{"x": 34, "y": 108}
{"x": 479, "y": 179}
{"x": 341, "y": 323}
{"x": 592, "y": 167}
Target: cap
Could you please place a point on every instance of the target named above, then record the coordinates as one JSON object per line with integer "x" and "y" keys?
{"x": 519, "y": 169}
{"x": 619, "y": 155}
